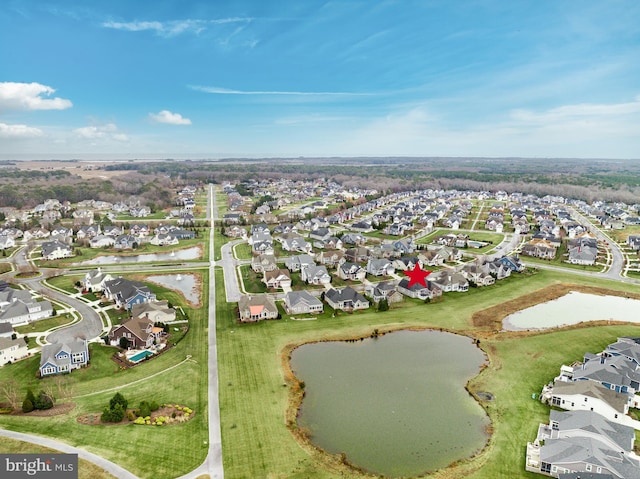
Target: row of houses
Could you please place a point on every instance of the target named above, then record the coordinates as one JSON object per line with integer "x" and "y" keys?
{"x": 594, "y": 436}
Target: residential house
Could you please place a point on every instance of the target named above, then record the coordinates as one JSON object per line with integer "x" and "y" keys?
{"x": 583, "y": 442}
{"x": 302, "y": 302}
{"x": 256, "y": 307}
{"x": 477, "y": 275}
{"x": 353, "y": 239}
{"x": 497, "y": 269}
{"x": 94, "y": 280}
{"x": 320, "y": 234}
{"x": 351, "y": 271}
{"x": 58, "y": 358}
{"x": 513, "y": 263}
{"x": 126, "y": 242}
{"x": 17, "y": 306}
{"x": 139, "y": 332}
{"x": 347, "y": 299}
{"x": 88, "y": 232}
{"x": 264, "y": 262}
{"x": 634, "y": 242}
{"x": 316, "y": 274}
{"x": 155, "y": 311}
{"x": 102, "y": 241}
{"x": 299, "y": 262}
{"x": 235, "y": 232}
{"x": 539, "y": 249}
{"x": 331, "y": 259}
{"x": 589, "y": 396}
{"x": 52, "y": 250}
{"x": 383, "y": 290}
{"x": 278, "y": 278}
{"x": 298, "y": 244}
{"x": 141, "y": 230}
{"x": 448, "y": 281}
{"x": 357, "y": 255}
{"x": 380, "y": 267}
{"x": 419, "y": 290}
{"x": 125, "y": 293}
{"x": 7, "y": 242}
{"x": 167, "y": 239}
{"x": 406, "y": 263}
{"x": 11, "y": 350}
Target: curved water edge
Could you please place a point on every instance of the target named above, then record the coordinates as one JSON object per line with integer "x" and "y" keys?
{"x": 442, "y": 460}
{"x": 573, "y": 308}
{"x": 189, "y": 285}
{"x": 493, "y": 316}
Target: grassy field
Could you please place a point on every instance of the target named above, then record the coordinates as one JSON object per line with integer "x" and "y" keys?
{"x": 148, "y": 452}
{"x": 243, "y": 251}
{"x": 44, "y": 324}
{"x": 86, "y": 469}
{"x": 254, "y": 391}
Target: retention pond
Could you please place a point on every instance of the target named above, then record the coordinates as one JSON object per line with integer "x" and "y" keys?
{"x": 395, "y": 405}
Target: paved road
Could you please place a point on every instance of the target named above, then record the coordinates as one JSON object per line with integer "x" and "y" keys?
{"x": 228, "y": 264}
{"x": 117, "y": 471}
{"x": 89, "y": 327}
{"x": 213, "y": 463}
{"x": 617, "y": 263}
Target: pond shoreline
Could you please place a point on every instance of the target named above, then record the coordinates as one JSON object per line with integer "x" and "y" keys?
{"x": 338, "y": 462}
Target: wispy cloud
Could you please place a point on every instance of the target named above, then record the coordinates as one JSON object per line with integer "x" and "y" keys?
{"x": 19, "y": 131}
{"x": 583, "y": 110}
{"x": 226, "y": 91}
{"x": 101, "y": 132}
{"x": 174, "y": 27}
{"x": 30, "y": 96}
{"x": 165, "y": 116}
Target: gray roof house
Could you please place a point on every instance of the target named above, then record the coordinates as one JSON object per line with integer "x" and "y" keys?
{"x": 94, "y": 280}
{"x": 346, "y": 299}
{"x": 52, "y": 250}
{"x": 60, "y": 358}
{"x": 316, "y": 275}
{"x": 302, "y": 302}
{"x": 126, "y": 293}
{"x": 583, "y": 441}
{"x": 18, "y": 306}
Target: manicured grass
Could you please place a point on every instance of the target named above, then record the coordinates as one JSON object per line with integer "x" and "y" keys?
{"x": 167, "y": 451}
{"x": 45, "y": 324}
{"x": 66, "y": 283}
{"x": 5, "y": 268}
{"x": 254, "y": 394}
{"x": 621, "y": 235}
{"x": 86, "y": 469}
{"x": 252, "y": 281}
{"x": 243, "y": 251}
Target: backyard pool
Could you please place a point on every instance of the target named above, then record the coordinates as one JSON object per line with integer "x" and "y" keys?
{"x": 136, "y": 358}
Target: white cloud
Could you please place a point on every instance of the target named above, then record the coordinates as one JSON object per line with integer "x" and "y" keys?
{"x": 583, "y": 110}
{"x": 30, "y": 96}
{"x": 165, "y": 116}
{"x": 19, "y": 131}
{"x": 173, "y": 28}
{"x": 101, "y": 132}
{"x": 226, "y": 91}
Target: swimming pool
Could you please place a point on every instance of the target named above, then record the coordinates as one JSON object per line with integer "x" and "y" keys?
{"x": 136, "y": 358}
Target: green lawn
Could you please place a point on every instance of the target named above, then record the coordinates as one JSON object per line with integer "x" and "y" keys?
{"x": 252, "y": 281}
{"x": 243, "y": 251}
{"x": 45, "y": 324}
{"x": 167, "y": 451}
{"x": 254, "y": 393}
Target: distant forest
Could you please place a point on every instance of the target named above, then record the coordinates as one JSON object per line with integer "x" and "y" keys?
{"x": 154, "y": 182}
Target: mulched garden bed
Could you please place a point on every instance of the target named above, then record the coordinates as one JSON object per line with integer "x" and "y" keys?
{"x": 165, "y": 411}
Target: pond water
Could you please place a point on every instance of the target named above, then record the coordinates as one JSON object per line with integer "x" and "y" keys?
{"x": 185, "y": 283}
{"x": 574, "y": 308}
{"x": 395, "y": 405}
{"x": 178, "y": 255}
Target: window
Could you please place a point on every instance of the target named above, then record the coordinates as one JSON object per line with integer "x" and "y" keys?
{"x": 589, "y": 467}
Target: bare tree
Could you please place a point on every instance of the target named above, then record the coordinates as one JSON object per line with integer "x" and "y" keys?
{"x": 11, "y": 391}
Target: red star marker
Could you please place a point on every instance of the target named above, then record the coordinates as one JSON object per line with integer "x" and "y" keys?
{"x": 417, "y": 275}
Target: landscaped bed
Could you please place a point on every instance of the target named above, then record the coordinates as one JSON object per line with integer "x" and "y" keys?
{"x": 166, "y": 414}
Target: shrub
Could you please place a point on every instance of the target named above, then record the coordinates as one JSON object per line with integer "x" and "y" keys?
{"x": 154, "y": 406}
{"x": 43, "y": 401}
{"x": 131, "y": 416}
{"x": 118, "y": 399}
{"x": 114, "y": 414}
{"x": 145, "y": 409}
{"x": 27, "y": 405}
{"x": 139, "y": 420}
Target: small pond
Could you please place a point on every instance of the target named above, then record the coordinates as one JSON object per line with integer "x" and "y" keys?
{"x": 179, "y": 255}
{"x": 395, "y": 405}
{"x": 185, "y": 283}
{"x": 573, "y": 308}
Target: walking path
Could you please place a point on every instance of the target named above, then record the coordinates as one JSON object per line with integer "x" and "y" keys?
{"x": 112, "y": 468}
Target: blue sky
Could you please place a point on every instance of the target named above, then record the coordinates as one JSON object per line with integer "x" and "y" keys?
{"x": 208, "y": 79}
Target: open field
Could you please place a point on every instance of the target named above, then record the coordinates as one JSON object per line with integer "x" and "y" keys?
{"x": 255, "y": 392}
{"x": 84, "y": 169}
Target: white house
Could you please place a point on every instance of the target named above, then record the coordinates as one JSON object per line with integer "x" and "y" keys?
{"x": 12, "y": 350}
